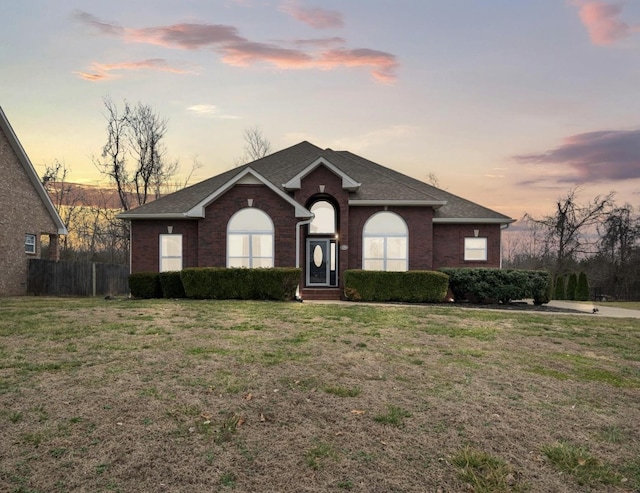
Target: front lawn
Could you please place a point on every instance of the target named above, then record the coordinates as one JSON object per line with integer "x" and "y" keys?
{"x": 187, "y": 396}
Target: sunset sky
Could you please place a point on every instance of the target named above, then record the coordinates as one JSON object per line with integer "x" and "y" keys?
{"x": 510, "y": 103}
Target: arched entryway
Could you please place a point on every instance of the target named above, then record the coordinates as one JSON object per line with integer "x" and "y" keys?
{"x": 322, "y": 244}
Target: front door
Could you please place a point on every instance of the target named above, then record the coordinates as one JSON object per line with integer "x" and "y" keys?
{"x": 321, "y": 262}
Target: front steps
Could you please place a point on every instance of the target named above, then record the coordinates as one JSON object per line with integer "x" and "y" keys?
{"x": 320, "y": 294}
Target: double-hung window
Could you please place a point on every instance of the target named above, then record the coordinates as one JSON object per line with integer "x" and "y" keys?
{"x": 250, "y": 239}
{"x": 385, "y": 241}
{"x": 475, "y": 249}
{"x": 30, "y": 243}
{"x": 170, "y": 253}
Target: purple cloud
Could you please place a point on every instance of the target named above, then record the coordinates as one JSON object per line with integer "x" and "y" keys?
{"x": 94, "y": 22}
{"x": 608, "y": 155}
{"x": 314, "y": 16}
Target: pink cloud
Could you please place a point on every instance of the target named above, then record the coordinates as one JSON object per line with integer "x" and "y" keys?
{"x": 245, "y": 53}
{"x": 239, "y": 51}
{"x": 313, "y": 16}
{"x": 383, "y": 65}
{"x": 602, "y": 21}
{"x": 92, "y": 77}
{"x": 104, "y": 70}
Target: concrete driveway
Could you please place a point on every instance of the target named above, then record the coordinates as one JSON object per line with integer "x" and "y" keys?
{"x": 603, "y": 309}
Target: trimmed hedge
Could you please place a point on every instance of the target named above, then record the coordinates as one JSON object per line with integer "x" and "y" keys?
{"x": 172, "y": 285}
{"x": 498, "y": 285}
{"x": 221, "y": 283}
{"x": 410, "y": 286}
{"x": 145, "y": 285}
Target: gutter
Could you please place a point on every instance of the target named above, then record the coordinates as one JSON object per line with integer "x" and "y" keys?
{"x": 298, "y": 224}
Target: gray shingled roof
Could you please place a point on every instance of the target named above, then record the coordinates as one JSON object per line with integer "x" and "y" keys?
{"x": 378, "y": 184}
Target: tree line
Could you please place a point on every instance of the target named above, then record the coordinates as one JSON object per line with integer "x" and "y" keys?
{"x": 599, "y": 238}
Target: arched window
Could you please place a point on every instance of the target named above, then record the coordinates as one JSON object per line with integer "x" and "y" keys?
{"x": 250, "y": 239}
{"x": 385, "y": 243}
{"x": 324, "y": 221}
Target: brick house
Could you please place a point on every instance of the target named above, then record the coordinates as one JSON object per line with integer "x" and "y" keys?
{"x": 321, "y": 210}
{"x": 26, "y": 213}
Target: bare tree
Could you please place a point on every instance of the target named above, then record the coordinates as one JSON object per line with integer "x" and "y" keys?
{"x": 134, "y": 156}
{"x": 571, "y": 231}
{"x": 67, "y": 198}
{"x": 256, "y": 146}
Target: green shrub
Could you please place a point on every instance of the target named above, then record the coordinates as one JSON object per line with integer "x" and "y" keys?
{"x": 559, "y": 293}
{"x": 541, "y": 286}
{"x": 239, "y": 283}
{"x": 572, "y": 284}
{"x": 171, "y": 285}
{"x": 409, "y": 287}
{"x": 498, "y": 285}
{"x": 145, "y": 285}
{"x": 582, "y": 290}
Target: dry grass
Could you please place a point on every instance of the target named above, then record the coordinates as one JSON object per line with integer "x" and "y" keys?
{"x": 184, "y": 396}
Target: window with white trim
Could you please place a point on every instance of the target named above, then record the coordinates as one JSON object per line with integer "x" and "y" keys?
{"x": 30, "y": 244}
{"x": 170, "y": 253}
{"x": 324, "y": 221}
{"x": 250, "y": 239}
{"x": 475, "y": 249}
{"x": 385, "y": 243}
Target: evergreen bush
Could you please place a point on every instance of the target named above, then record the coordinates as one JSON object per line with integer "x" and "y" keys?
{"x": 559, "y": 293}
{"x": 408, "y": 287}
{"x": 240, "y": 283}
{"x": 145, "y": 285}
{"x": 582, "y": 290}
{"x": 171, "y": 285}
{"x": 572, "y": 284}
{"x": 498, "y": 285}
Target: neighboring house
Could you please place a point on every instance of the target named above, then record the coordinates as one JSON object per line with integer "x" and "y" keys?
{"x": 26, "y": 213}
{"x": 321, "y": 210}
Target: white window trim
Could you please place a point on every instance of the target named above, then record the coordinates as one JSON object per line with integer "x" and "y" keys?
{"x": 484, "y": 250}
{"x": 162, "y": 256}
{"x": 30, "y": 247}
{"x": 385, "y": 237}
{"x": 250, "y": 234}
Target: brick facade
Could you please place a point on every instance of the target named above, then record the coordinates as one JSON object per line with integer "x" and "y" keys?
{"x": 431, "y": 246}
{"x": 21, "y": 212}
{"x": 448, "y": 244}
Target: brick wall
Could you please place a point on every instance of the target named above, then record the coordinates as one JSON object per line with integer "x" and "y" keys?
{"x": 204, "y": 241}
{"x": 418, "y": 221}
{"x": 449, "y": 244}
{"x": 145, "y": 243}
{"x": 21, "y": 212}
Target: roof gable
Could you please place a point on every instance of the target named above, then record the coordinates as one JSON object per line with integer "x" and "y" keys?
{"x": 247, "y": 175}
{"x": 348, "y": 183}
{"x": 24, "y": 160}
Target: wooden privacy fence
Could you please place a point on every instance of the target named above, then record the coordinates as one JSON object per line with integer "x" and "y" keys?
{"x": 62, "y": 278}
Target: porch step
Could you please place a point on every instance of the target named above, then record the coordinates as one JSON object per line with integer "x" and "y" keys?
{"x": 320, "y": 294}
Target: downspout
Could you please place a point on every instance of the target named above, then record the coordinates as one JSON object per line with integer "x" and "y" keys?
{"x": 298, "y": 225}
{"x": 502, "y": 227}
